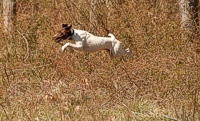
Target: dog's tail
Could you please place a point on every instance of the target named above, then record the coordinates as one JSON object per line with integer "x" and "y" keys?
{"x": 111, "y": 35}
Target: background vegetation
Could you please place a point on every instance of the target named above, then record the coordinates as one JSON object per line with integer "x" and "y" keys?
{"x": 39, "y": 82}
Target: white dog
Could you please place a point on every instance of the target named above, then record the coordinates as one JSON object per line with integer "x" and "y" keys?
{"x": 85, "y": 41}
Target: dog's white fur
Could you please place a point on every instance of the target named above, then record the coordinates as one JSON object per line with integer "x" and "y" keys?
{"x": 85, "y": 41}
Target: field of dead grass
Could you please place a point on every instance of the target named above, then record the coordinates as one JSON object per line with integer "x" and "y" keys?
{"x": 39, "y": 82}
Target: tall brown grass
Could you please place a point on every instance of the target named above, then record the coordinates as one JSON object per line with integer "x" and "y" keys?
{"x": 39, "y": 82}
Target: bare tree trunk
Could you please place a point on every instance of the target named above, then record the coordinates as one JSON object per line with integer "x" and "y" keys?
{"x": 92, "y": 16}
{"x": 189, "y": 16}
{"x": 108, "y": 4}
{"x": 9, "y": 13}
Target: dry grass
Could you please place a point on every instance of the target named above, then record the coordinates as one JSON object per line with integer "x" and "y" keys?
{"x": 39, "y": 82}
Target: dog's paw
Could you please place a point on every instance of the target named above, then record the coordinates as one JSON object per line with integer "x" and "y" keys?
{"x": 128, "y": 50}
{"x": 63, "y": 48}
{"x": 70, "y": 49}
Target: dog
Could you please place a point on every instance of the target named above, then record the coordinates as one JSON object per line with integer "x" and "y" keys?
{"x": 87, "y": 42}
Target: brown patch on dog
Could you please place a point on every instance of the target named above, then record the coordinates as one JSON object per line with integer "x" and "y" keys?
{"x": 63, "y": 33}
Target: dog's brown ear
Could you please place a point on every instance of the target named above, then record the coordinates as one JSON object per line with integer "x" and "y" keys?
{"x": 64, "y": 25}
{"x": 69, "y": 27}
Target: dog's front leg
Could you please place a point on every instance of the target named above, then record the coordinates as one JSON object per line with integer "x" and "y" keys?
{"x": 77, "y": 46}
{"x": 70, "y": 49}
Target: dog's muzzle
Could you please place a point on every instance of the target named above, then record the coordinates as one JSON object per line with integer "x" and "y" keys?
{"x": 57, "y": 39}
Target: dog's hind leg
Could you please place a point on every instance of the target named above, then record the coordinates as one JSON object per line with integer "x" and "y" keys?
{"x": 117, "y": 51}
{"x": 129, "y": 52}
{"x": 110, "y": 53}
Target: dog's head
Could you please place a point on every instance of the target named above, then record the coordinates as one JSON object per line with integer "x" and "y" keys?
{"x": 64, "y": 33}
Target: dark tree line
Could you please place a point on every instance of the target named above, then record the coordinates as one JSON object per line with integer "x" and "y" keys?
{"x": 188, "y": 13}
